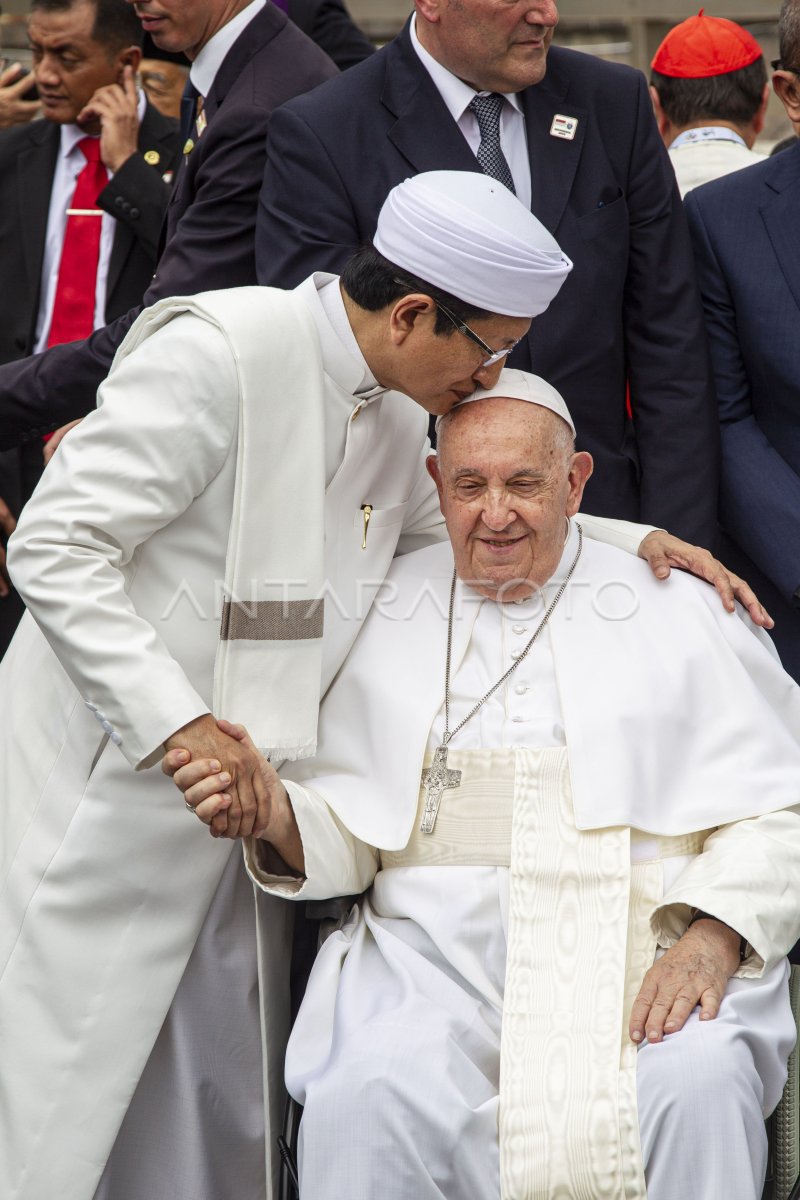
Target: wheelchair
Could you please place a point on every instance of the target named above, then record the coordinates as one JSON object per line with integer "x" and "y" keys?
{"x": 783, "y": 1127}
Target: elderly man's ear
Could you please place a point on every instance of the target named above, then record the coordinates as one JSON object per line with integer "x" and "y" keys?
{"x": 787, "y": 87}
{"x": 580, "y": 469}
{"x": 432, "y": 464}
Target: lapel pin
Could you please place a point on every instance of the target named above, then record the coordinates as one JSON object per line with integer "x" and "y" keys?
{"x": 201, "y": 122}
{"x": 168, "y": 176}
{"x": 188, "y": 146}
{"x": 564, "y": 127}
{"x": 152, "y": 158}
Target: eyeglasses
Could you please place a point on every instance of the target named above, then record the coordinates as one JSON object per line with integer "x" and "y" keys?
{"x": 492, "y": 356}
{"x": 777, "y": 64}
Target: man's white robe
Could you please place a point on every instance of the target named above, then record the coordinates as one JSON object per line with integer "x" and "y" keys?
{"x": 106, "y": 879}
{"x": 397, "y": 1048}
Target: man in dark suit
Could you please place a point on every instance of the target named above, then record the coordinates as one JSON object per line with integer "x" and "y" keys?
{"x": 579, "y": 139}
{"x": 251, "y": 58}
{"x": 39, "y": 166}
{"x": 744, "y": 229}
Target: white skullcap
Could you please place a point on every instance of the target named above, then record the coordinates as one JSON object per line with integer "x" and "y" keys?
{"x": 469, "y": 235}
{"x": 520, "y": 385}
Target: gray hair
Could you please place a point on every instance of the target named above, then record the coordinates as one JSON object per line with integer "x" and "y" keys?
{"x": 789, "y": 34}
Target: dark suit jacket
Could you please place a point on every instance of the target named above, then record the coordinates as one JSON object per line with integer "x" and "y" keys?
{"x": 208, "y": 240}
{"x": 631, "y": 306}
{"x": 329, "y": 24}
{"x": 745, "y": 233}
{"x": 137, "y": 197}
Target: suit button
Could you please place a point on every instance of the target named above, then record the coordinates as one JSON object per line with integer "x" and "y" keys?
{"x": 119, "y": 202}
{"x": 135, "y": 213}
{"x": 115, "y": 738}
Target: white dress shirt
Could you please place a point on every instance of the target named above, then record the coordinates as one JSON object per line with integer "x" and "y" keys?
{"x": 204, "y": 68}
{"x": 457, "y": 96}
{"x": 69, "y": 164}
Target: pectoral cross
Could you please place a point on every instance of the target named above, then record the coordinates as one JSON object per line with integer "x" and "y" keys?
{"x": 436, "y": 779}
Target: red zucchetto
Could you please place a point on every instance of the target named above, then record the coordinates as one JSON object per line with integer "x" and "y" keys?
{"x": 704, "y": 46}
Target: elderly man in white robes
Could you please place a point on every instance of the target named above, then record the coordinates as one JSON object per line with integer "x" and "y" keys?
{"x": 572, "y": 793}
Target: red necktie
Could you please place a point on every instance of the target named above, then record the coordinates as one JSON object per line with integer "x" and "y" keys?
{"x": 73, "y": 310}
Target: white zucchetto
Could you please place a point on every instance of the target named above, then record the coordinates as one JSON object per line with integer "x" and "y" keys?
{"x": 467, "y": 234}
{"x": 521, "y": 385}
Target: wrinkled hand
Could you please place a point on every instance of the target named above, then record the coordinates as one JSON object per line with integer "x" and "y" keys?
{"x": 115, "y": 107}
{"x": 14, "y": 110}
{"x": 207, "y": 789}
{"x": 204, "y": 739}
{"x": 7, "y": 527}
{"x": 694, "y": 971}
{"x": 55, "y": 439}
{"x": 663, "y": 551}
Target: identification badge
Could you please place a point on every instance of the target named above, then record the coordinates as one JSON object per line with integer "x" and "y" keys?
{"x": 564, "y": 127}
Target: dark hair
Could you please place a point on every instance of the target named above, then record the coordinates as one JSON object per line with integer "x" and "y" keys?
{"x": 789, "y": 35}
{"x": 735, "y": 96}
{"x": 115, "y": 22}
{"x": 373, "y": 282}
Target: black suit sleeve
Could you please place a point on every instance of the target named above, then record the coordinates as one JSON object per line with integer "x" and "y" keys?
{"x": 137, "y": 196}
{"x": 335, "y": 32}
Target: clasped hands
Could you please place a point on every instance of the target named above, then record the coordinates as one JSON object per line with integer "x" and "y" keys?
{"x": 232, "y": 788}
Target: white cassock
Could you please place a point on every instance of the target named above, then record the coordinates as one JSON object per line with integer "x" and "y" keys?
{"x": 106, "y": 880}
{"x": 486, "y": 983}
{"x": 132, "y": 978}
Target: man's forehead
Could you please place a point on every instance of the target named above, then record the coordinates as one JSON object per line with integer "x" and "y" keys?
{"x": 497, "y": 422}
{"x": 63, "y": 26}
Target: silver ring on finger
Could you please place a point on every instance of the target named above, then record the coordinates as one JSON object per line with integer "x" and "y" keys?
{"x": 190, "y": 807}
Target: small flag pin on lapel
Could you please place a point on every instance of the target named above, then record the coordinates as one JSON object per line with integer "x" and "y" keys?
{"x": 564, "y": 127}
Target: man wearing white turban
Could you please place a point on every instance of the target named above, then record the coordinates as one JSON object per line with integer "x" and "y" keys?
{"x": 269, "y": 469}
{"x": 544, "y": 765}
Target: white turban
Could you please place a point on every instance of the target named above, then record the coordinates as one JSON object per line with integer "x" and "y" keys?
{"x": 469, "y": 235}
{"x": 521, "y": 385}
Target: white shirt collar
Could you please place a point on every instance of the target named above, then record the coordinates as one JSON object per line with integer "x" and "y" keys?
{"x": 707, "y": 133}
{"x": 456, "y": 94}
{"x": 341, "y": 353}
{"x": 72, "y": 134}
{"x": 204, "y": 69}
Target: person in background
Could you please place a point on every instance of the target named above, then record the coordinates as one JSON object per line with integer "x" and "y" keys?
{"x": 744, "y": 229}
{"x": 17, "y": 105}
{"x": 710, "y": 94}
{"x": 82, "y": 198}
{"x": 246, "y": 59}
{"x": 163, "y": 76}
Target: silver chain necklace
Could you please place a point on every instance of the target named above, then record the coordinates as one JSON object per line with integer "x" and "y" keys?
{"x": 438, "y": 778}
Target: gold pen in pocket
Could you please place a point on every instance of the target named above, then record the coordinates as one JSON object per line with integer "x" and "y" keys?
{"x": 367, "y": 511}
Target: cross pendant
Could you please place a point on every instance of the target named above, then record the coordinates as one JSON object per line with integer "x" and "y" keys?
{"x": 436, "y": 779}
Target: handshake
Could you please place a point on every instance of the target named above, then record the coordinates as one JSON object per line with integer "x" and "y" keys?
{"x": 232, "y": 788}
